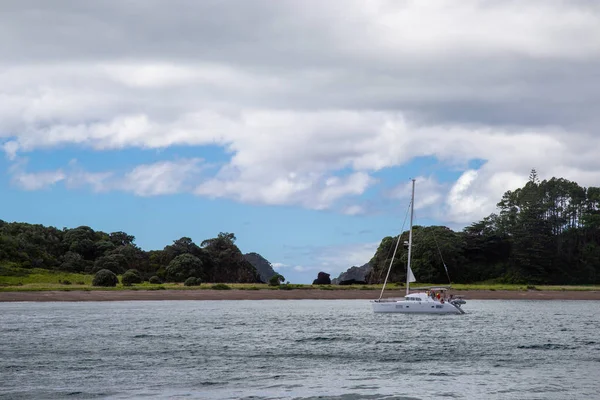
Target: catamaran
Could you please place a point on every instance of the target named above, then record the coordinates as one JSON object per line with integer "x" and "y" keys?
{"x": 431, "y": 300}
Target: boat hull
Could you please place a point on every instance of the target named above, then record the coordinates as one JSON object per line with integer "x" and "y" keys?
{"x": 412, "y": 307}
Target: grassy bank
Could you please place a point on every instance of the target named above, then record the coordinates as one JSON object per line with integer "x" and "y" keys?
{"x": 13, "y": 279}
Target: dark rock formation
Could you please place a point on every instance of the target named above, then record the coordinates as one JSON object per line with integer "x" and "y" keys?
{"x": 262, "y": 265}
{"x": 355, "y": 274}
{"x": 352, "y": 282}
{"x": 322, "y": 279}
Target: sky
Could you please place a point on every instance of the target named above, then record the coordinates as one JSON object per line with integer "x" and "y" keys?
{"x": 297, "y": 125}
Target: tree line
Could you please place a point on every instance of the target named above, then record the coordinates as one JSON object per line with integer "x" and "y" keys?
{"x": 547, "y": 232}
{"x": 84, "y": 250}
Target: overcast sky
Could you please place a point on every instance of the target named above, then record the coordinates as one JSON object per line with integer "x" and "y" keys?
{"x": 309, "y": 115}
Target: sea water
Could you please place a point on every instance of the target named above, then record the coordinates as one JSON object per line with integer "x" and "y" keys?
{"x": 298, "y": 349}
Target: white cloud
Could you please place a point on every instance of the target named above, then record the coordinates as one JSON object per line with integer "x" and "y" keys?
{"x": 353, "y": 210}
{"x": 39, "y": 180}
{"x": 11, "y": 148}
{"x": 337, "y": 259}
{"x": 300, "y": 268}
{"x": 160, "y": 178}
{"x": 428, "y": 192}
{"x": 316, "y": 104}
{"x": 278, "y": 266}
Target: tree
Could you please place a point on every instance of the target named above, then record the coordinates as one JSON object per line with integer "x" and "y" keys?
{"x": 191, "y": 281}
{"x": 73, "y": 262}
{"x": 121, "y": 238}
{"x": 116, "y": 263}
{"x": 183, "y": 267}
{"x": 227, "y": 263}
{"x": 103, "y": 247}
{"x": 276, "y": 280}
{"x": 130, "y": 277}
{"x": 105, "y": 278}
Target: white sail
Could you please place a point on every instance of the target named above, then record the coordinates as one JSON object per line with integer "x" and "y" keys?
{"x": 411, "y": 276}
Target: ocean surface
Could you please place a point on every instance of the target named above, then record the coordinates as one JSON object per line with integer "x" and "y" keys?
{"x": 298, "y": 349}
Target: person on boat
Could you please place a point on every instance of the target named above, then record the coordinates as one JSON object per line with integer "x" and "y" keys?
{"x": 438, "y": 296}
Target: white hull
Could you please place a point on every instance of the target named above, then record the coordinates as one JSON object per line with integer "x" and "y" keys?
{"x": 415, "y": 307}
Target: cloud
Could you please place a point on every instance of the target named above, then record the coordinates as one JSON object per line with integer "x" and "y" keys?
{"x": 160, "y": 178}
{"x": 307, "y": 102}
{"x": 10, "y": 149}
{"x": 278, "y": 266}
{"x": 166, "y": 177}
{"x": 40, "y": 180}
{"x": 430, "y": 192}
{"x": 337, "y": 259}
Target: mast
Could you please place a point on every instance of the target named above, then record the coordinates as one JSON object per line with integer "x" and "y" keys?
{"x": 412, "y": 209}
{"x": 396, "y": 248}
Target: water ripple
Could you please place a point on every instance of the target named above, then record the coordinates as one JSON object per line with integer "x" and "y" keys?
{"x": 307, "y": 349}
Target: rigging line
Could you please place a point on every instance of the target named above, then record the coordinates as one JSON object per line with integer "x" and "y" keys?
{"x": 394, "y": 255}
{"x": 440, "y": 252}
{"x": 399, "y": 235}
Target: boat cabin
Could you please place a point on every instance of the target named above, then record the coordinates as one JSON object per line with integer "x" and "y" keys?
{"x": 416, "y": 297}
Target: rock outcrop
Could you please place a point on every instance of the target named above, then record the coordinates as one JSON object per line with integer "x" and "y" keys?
{"x": 354, "y": 275}
{"x": 262, "y": 265}
{"x": 322, "y": 279}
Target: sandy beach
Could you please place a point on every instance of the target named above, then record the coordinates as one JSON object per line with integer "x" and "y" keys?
{"x": 298, "y": 294}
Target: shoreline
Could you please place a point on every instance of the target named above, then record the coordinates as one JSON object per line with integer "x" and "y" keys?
{"x": 296, "y": 294}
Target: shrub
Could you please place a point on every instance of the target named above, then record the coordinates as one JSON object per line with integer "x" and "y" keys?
{"x": 105, "y": 278}
{"x": 220, "y": 286}
{"x": 130, "y": 277}
{"x": 276, "y": 280}
{"x": 155, "y": 280}
{"x": 191, "y": 281}
{"x": 135, "y": 272}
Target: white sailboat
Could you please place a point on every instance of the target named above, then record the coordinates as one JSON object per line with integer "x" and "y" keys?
{"x": 432, "y": 301}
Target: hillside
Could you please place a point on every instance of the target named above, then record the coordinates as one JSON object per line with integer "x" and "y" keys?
{"x": 353, "y": 274}
{"x": 262, "y": 265}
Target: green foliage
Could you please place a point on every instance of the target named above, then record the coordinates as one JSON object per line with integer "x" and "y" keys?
{"x": 220, "y": 286}
{"x": 224, "y": 256}
{"x": 12, "y": 275}
{"x": 183, "y": 267}
{"x": 286, "y": 287}
{"x": 73, "y": 262}
{"x": 155, "y": 280}
{"x": 191, "y": 281}
{"x": 131, "y": 277}
{"x": 117, "y": 263}
{"x": 105, "y": 278}
{"x": 545, "y": 232}
{"x": 121, "y": 239}
{"x": 276, "y": 280}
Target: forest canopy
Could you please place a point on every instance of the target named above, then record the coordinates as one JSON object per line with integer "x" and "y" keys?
{"x": 545, "y": 232}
